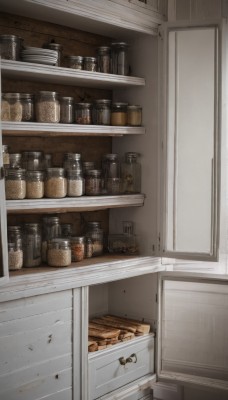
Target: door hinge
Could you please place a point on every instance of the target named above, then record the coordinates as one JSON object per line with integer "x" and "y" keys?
{"x": 2, "y": 173}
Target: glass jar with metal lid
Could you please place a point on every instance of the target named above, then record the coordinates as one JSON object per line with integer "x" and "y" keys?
{"x": 96, "y": 234}
{"x": 15, "y": 160}
{"x": 83, "y": 113}
{"x": 104, "y": 59}
{"x": 102, "y": 112}
{"x": 47, "y": 107}
{"x": 32, "y": 160}
{"x": 75, "y": 183}
{"x": 5, "y": 108}
{"x": 59, "y": 253}
{"x": 34, "y": 184}
{"x": 27, "y": 101}
{"x": 55, "y": 185}
{"x": 119, "y": 114}
{"x": 87, "y": 165}
{"x": 77, "y": 248}
{"x": 110, "y": 166}
{"x": 15, "y": 184}
{"x": 13, "y": 232}
{"x": 58, "y": 48}
{"x": 10, "y": 47}
{"x": 75, "y": 62}
{"x": 131, "y": 173}
{"x": 93, "y": 182}
{"x": 66, "y": 109}
{"x": 72, "y": 161}
{"x": 134, "y": 115}
{"x": 5, "y": 156}
{"x": 15, "y": 254}
{"x": 119, "y": 58}
{"x": 50, "y": 229}
{"x": 14, "y": 100}
{"x": 90, "y": 64}
{"x": 31, "y": 245}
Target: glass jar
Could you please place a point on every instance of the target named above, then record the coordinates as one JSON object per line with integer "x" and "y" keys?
{"x": 87, "y": 165}
{"x": 27, "y": 101}
{"x": 119, "y": 114}
{"x": 95, "y": 233}
{"x": 66, "y": 230}
{"x": 75, "y": 183}
{"x": 15, "y": 160}
{"x": 119, "y": 58}
{"x": 14, "y": 232}
{"x": 113, "y": 186}
{"x": 134, "y": 115}
{"x": 77, "y": 248}
{"x": 55, "y": 185}
{"x": 83, "y": 113}
{"x": 51, "y": 229}
{"x": 10, "y": 47}
{"x": 88, "y": 248}
{"x": 34, "y": 184}
{"x": 31, "y": 245}
{"x": 131, "y": 173}
{"x": 93, "y": 182}
{"x": 72, "y": 161}
{"x": 59, "y": 253}
{"x": 47, "y": 107}
{"x": 110, "y": 166}
{"x": 5, "y": 156}
{"x": 58, "y": 48}
{"x": 75, "y": 62}
{"x": 47, "y": 161}
{"x": 5, "y": 109}
{"x": 102, "y": 112}
{"x": 90, "y": 64}
{"x": 15, "y": 184}
{"x": 66, "y": 110}
{"x": 32, "y": 160}
{"x": 15, "y": 104}
{"x": 15, "y": 254}
{"x": 104, "y": 59}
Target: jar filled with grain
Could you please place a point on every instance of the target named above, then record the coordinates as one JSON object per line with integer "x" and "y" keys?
{"x": 90, "y": 64}
{"x": 50, "y": 229}
{"x": 87, "y": 165}
{"x": 119, "y": 114}
{"x": 15, "y": 160}
{"x": 14, "y": 100}
{"x": 55, "y": 185}
{"x": 27, "y": 101}
{"x": 83, "y": 113}
{"x": 5, "y": 156}
{"x": 77, "y": 248}
{"x": 72, "y": 161}
{"x": 32, "y": 160}
{"x": 34, "y": 184}
{"x": 15, "y": 184}
{"x": 10, "y": 47}
{"x": 15, "y": 255}
{"x": 93, "y": 182}
{"x": 75, "y": 183}
{"x": 134, "y": 115}
{"x": 56, "y": 47}
{"x": 102, "y": 112}
{"x": 75, "y": 62}
{"x": 66, "y": 109}
{"x": 131, "y": 173}
{"x": 59, "y": 253}
{"x": 47, "y": 107}
{"x": 96, "y": 234}
{"x": 104, "y": 59}
{"x": 31, "y": 245}
{"x": 5, "y": 108}
{"x": 66, "y": 230}
{"x": 119, "y": 58}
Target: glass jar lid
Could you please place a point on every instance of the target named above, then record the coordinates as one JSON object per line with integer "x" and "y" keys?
{"x": 76, "y": 58}
{"x": 74, "y": 173}
{"x": 119, "y": 105}
{"x": 15, "y": 96}
{"x": 134, "y": 107}
{"x": 69, "y": 99}
{"x": 103, "y": 49}
{"x": 31, "y": 227}
{"x": 35, "y": 175}
{"x": 77, "y": 239}
{"x": 83, "y": 105}
{"x": 26, "y": 95}
{"x": 90, "y": 59}
{"x": 10, "y": 37}
{"x": 131, "y": 156}
{"x": 51, "y": 219}
{"x": 120, "y": 44}
{"x": 110, "y": 157}
{"x": 48, "y": 94}
{"x": 102, "y": 102}
{"x": 72, "y": 156}
{"x": 12, "y": 173}
{"x": 60, "y": 243}
{"x": 56, "y": 171}
{"x": 94, "y": 173}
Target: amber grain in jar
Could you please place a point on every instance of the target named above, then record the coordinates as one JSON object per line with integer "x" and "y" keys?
{"x": 66, "y": 110}
{"x": 15, "y": 184}
{"x": 47, "y": 107}
{"x": 90, "y": 64}
{"x": 93, "y": 182}
{"x": 78, "y": 248}
{"x": 134, "y": 115}
{"x": 27, "y": 101}
{"x": 59, "y": 253}
{"x": 14, "y": 100}
{"x": 83, "y": 113}
{"x": 119, "y": 114}
{"x": 34, "y": 184}
{"x": 55, "y": 185}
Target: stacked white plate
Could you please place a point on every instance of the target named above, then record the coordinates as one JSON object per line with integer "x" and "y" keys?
{"x": 39, "y": 55}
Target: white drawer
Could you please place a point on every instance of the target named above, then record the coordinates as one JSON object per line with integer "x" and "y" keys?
{"x": 106, "y": 372}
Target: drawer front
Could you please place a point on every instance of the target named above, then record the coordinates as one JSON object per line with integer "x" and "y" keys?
{"x": 106, "y": 373}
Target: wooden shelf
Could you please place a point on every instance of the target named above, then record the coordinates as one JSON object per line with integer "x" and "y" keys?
{"x": 45, "y": 129}
{"x": 72, "y": 204}
{"x": 66, "y": 76}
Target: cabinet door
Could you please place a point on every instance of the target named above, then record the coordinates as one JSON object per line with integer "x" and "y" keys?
{"x": 191, "y": 141}
{"x": 192, "y": 330}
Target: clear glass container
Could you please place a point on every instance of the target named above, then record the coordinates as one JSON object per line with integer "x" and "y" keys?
{"x": 119, "y": 58}
{"x": 66, "y": 230}
{"x": 47, "y": 107}
{"x": 96, "y": 234}
{"x": 75, "y": 183}
{"x": 15, "y": 184}
{"x": 111, "y": 172}
{"x": 75, "y": 62}
{"x": 47, "y": 161}
{"x": 13, "y": 232}
{"x": 5, "y": 156}
{"x": 119, "y": 114}
{"x": 51, "y": 229}
{"x": 104, "y": 59}
{"x": 131, "y": 173}
{"x": 27, "y": 101}
{"x": 93, "y": 182}
{"x": 31, "y": 245}
{"x": 15, "y": 254}
{"x": 58, "y": 48}
{"x": 72, "y": 161}
{"x": 102, "y": 112}
{"x": 88, "y": 248}
{"x": 5, "y": 108}
{"x": 90, "y": 64}
{"x": 59, "y": 253}
{"x": 32, "y": 160}
{"x": 15, "y": 160}
{"x": 66, "y": 110}
{"x": 83, "y": 113}
{"x": 14, "y": 100}
{"x": 125, "y": 243}
{"x": 134, "y": 115}
{"x": 55, "y": 185}
{"x": 10, "y": 47}
{"x": 34, "y": 184}
{"x": 87, "y": 165}
{"x": 77, "y": 248}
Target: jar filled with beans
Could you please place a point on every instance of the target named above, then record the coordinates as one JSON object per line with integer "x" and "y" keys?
{"x": 75, "y": 183}
{"x": 14, "y": 100}
{"x": 55, "y": 185}
{"x": 90, "y": 64}
{"x": 59, "y": 253}
{"x": 75, "y": 62}
{"x": 47, "y": 107}
{"x": 15, "y": 184}
{"x": 34, "y": 184}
